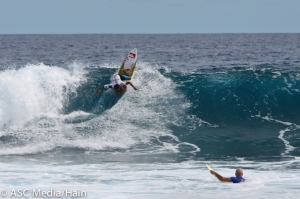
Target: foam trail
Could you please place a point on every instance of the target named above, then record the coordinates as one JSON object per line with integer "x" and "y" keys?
{"x": 292, "y": 127}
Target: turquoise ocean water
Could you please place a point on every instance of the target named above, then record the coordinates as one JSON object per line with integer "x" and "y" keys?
{"x": 229, "y": 100}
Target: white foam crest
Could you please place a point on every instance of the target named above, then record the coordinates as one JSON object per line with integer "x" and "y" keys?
{"x": 35, "y": 91}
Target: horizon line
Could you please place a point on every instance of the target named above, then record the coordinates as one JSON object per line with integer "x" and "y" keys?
{"x": 148, "y": 33}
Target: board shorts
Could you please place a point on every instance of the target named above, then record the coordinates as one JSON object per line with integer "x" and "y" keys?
{"x": 125, "y": 77}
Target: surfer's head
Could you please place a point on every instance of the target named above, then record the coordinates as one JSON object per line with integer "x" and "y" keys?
{"x": 239, "y": 172}
{"x": 117, "y": 86}
{"x": 119, "y": 89}
{"x": 122, "y": 88}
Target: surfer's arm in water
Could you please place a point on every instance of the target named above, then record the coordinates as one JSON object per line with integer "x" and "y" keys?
{"x": 131, "y": 85}
{"x": 221, "y": 178}
{"x": 98, "y": 90}
{"x": 105, "y": 86}
{"x": 118, "y": 89}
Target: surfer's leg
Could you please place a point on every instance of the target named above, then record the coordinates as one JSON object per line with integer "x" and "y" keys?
{"x": 126, "y": 71}
{"x": 125, "y": 77}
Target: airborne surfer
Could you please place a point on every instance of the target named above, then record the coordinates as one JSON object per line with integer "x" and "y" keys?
{"x": 117, "y": 84}
{"x": 125, "y": 73}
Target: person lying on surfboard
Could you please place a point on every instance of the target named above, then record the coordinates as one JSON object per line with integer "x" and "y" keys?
{"x": 237, "y": 179}
{"x": 117, "y": 85}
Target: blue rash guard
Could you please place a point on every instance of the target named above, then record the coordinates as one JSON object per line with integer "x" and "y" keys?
{"x": 237, "y": 179}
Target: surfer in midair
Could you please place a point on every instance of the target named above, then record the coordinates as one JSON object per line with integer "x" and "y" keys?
{"x": 117, "y": 84}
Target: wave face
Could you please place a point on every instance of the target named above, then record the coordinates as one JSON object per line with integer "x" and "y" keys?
{"x": 201, "y": 96}
{"x": 236, "y": 97}
{"x": 250, "y": 109}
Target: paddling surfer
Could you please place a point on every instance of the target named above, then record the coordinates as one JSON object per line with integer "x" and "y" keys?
{"x": 238, "y": 173}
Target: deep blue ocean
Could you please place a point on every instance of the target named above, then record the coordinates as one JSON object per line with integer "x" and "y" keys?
{"x": 230, "y": 100}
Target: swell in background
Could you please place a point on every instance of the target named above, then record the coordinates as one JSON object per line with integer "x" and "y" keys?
{"x": 255, "y": 111}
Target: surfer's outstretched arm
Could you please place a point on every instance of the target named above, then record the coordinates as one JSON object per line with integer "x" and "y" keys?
{"x": 131, "y": 85}
{"x": 98, "y": 90}
{"x": 221, "y": 178}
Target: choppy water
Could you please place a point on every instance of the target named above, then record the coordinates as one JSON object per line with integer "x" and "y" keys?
{"x": 231, "y": 100}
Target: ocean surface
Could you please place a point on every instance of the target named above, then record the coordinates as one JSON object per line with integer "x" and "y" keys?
{"x": 229, "y": 100}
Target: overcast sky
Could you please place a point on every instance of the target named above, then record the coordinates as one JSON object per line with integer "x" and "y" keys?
{"x": 149, "y": 16}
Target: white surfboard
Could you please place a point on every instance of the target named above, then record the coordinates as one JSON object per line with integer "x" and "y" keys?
{"x": 130, "y": 59}
{"x": 209, "y": 168}
{"x": 129, "y": 63}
